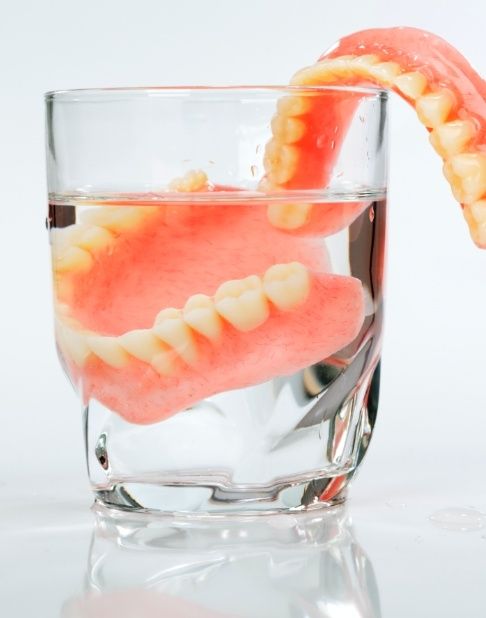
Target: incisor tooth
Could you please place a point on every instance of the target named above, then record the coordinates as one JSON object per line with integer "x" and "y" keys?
{"x": 434, "y": 108}
{"x": 452, "y": 137}
{"x": 412, "y": 84}
{"x": 287, "y": 130}
{"x": 318, "y": 73}
{"x": 385, "y": 72}
{"x": 199, "y": 312}
{"x": 194, "y": 180}
{"x": 288, "y": 216}
{"x": 94, "y": 237}
{"x": 73, "y": 344}
{"x": 108, "y": 350}
{"x": 72, "y": 258}
{"x": 365, "y": 60}
{"x": 141, "y": 344}
{"x": 287, "y": 285}
{"x": 475, "y": 215}
{"x": 171, "y": 329}
{"x": 115, "y": 218}
{"x": 294, "y": 105}
{"x": 466, "y": 173}
{"x": 280, "y": 161}
{"x": 242, "y": 303}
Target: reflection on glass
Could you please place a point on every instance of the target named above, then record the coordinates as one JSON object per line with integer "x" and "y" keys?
{"x": 300, "y": 566}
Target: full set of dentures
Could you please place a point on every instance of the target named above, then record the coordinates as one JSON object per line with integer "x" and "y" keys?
{"x": 299, "y": 312}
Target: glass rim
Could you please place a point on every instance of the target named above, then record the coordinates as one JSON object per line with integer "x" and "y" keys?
{"x": 86, "y": 94}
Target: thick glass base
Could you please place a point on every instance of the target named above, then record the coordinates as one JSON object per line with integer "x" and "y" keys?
{"x": 269, "y": 449}
{"x": 202, "y": 500}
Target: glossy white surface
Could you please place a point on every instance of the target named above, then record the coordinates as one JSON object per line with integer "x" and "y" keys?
{"x": 428, "y": 452}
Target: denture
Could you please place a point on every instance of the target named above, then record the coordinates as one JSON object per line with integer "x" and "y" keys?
{"x": 152, "y": 340}
{"x": 449, "y": 98}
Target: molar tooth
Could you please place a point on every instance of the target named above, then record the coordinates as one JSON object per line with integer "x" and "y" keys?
{"x": 287, "y": 285}
{"x": 294, "y": 105}
{"x": 287, "y": 130}
{"x": 73, "y": 344}
{"x": 434, "y": 108}
{"x": 475, "y": 215}
{"x": 288, "y": 216}
{"x": 72, "y": 258}
{"x": 171, "y": 329}
{"x": 108, "y": 350}
{"x": 141, "y": 344}
{"x": 199, "y": 312}
{"x": 466, "y": 173}
{"x": 411, "y": 84}
{"x": 385, "y": 71}
{"x": 280, "y": 161}
{"x": 242, "y": 303}
{"x": 452, "y": 137}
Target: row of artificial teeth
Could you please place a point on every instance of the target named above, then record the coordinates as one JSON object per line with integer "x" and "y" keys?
{"x": 242, "y": 303}
{"x": 451, "y": 138}
{"x": 74, "y": 247}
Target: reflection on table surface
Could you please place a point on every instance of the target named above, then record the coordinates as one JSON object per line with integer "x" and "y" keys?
{"x": 296, "y": 566}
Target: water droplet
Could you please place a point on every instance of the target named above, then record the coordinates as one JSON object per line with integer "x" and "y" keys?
{"x": 254, "y": 170}
{"x": 458, "y": 519}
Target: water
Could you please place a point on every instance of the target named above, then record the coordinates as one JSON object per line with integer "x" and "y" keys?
{"x": 263, "y": 394}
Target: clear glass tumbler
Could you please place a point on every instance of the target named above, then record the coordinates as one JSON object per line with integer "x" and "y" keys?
{"x": 217, "y": 259}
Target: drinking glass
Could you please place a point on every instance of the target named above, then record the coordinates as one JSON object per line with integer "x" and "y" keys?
{"x": 217, "y": 259}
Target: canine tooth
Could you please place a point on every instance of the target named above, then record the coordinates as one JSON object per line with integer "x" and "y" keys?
{"x": 287, "y": 130}
{"x": 242, "y": 303}
{"x": 74, "y": 344}
{"x": 280, "y": 161}
{"x": 115, "y": 218}
{"x": 466, "y": 173}
{"x": 475, "y": 215}
{"x": 386, "y": 71}
{"x": 287, "y": 285}
{"x": 108, "y": 350}
{"x": 294, "y": 105}
{"x": 94, "y": 237}
{"x": 288, "y": 216}
{"x": 73, "y": 258}
{"x": 141, "y": 344}
{"x": 452, "y": 137}
{"x": 411, "y": 84}
{"x": 194, "y": 180}
{"x": 434, "y": 108}
{"x": 171, "y": 329}
{"x": 199, "y": 312}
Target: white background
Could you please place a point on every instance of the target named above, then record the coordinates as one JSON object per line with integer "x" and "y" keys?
{"x": 429, "y": 447}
